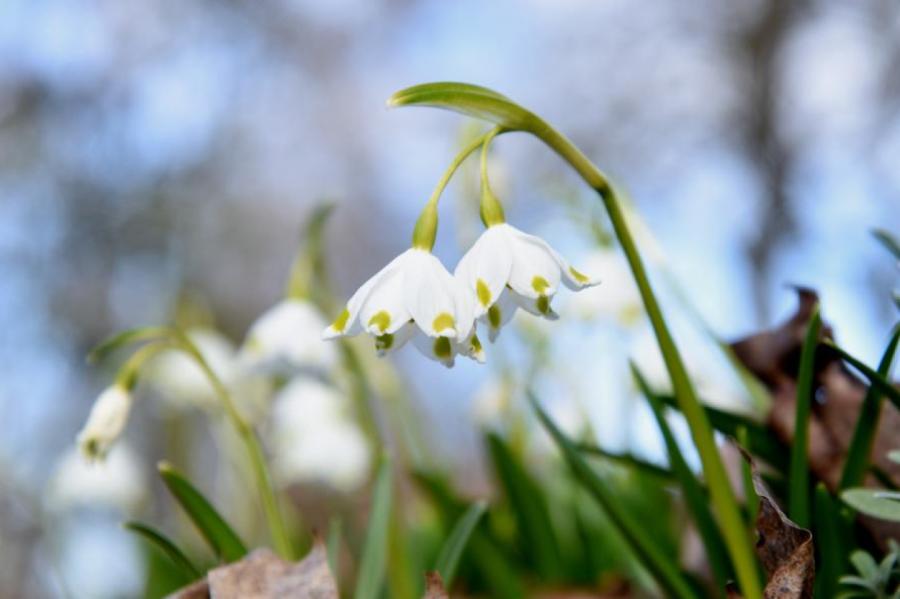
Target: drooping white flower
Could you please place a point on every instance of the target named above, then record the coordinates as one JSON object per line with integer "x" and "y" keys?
{"x": 286, "y": 339}
{"x": 118, "y": 482}
{"x": 413, "y": 298}
{"x": 315, "y": 438}
{"x": 504, "y": 261}
{"x": 105, "y": 423}
{"x": 181, "y": 381}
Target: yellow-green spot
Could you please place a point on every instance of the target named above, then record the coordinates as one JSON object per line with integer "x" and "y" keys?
{"x": 540, "y": 284}
{"x": 381, "y": 320}
{"x": 341, "y": 321}
{"x": 442, "y": 347}
{"x": 543, "y": 304}
{"x": 494, "y": 316}
{"x": 483, "y": 292}
{"x": 578, "y": 276}
{"x": 475, "y": 342}
{"x": 443, "y": 321}
{"x": 384, "y": 342}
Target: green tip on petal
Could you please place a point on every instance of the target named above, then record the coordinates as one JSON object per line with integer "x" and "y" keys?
{"x": 543, "y": 304}
{"x": 340, "y": 323}
{"x": 578, "y": 276}
{"x": 442, "y": 348}
{"x": 483, "y": 292}
{"x": 384, "y": 342}
{"x": 494, "y": 316}
{"x": 381, "y": 320}
{"x": 443, "y": 321}
{"x": 540, "y": 284}
{"x": 476, "y": 344}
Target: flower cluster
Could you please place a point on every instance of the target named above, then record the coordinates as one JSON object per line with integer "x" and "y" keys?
{"x": 415, "y": 298}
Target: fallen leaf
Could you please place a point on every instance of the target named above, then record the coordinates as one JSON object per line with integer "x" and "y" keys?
{"x": 264, "y": 575}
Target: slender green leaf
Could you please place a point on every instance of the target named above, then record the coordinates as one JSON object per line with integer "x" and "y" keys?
{"x": 335, "y": 526}
{"x": 487, "y": 557}
{"x": 663, "y": 569}
{"x": 451, "y": 552}
{"x": 759, "y": 440}
{"x": 471, "y": 100}
{"x": 225, "y": 543}
{"x": 860, "y": 450}
{"x": 111, "y": 344}
{"x": 889, "y": 390}
{"x": 628, "y": 460}
{"x": 872, "y": 502}
{"x": 372, "y": 568}
{"x": 694, "y": 494}
{"x": 168, "y": 548}
{"x": 888, "y": 241}
{"x": 530, "y": 505}
{"x": 830, "y": 563}
{"x": 798, "y": 485}
{"x": 751, "y": 498}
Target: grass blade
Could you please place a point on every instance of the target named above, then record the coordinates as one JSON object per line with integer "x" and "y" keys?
{"x": 860, "y": 449}
{"x": 628, "y": 461}
{"x": 530, "y": 505}
{"x": 335, "y": 526}
{"x": 225, "y": 543}
{"x": 875, "y": 379}
{"x": 168, "y": 548}
{"x": 888, "y": 241}
{"x": 372, "y": 568}
{"x": 663, "y": 569}
{"x": 828, "y": 543}
{"x": 451, "y": 552}
{"x": 694, "y": 495}
{"x": 798, "y": 483}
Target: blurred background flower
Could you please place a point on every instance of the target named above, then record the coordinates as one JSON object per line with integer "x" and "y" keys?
{"x": 151, "y": 150}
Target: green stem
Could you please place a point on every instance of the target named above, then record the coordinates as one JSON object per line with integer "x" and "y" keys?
{"x": 252, "y": 445}
{"x": 727, "y": 509}
{"x": 478, "y": 142}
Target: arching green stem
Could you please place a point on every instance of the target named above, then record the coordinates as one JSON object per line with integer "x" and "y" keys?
{"x": 491, "y": 209}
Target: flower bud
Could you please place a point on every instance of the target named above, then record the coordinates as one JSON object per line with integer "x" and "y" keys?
{"x": 105, "y": 423}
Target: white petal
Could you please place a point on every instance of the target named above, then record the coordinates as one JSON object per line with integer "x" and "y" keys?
{"x": 384, "y": 310}
{"x": 389, "y": 343}
{"x": 573, "y": 278}
{"x": 431, "y": 295}
{"x": 485, "y": 268}
{"x": 535, "y": 270}
{"x": 499, "y": 314}
{"x": 440, "y": 349}
{"x": 346, "y": 323}
{"x": 285, "y": 339}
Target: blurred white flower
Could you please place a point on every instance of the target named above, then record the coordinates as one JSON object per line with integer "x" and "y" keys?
{"x": 117, "y": 482}
{"x": 105, "y": 423}
{"x": 286, "y": 339}
{"x": 619, "y": 299}
{"x": 504, "y": 261}
{"x": 413, "y": 298}
{"x": 491, "y": 401}
{"x": 315, "y": 439}
{"x": 181, "y": 381}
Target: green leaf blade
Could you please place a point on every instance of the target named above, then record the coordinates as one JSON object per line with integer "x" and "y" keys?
{"x": 860, "y": 450}
{"x": 452, "y": 550}
{"x": 219, "y": 535}
{"x": 872, "y": 502}
{"x": 798, "y": 484}
{"x": 166, "y": 546}
{"x": 373, "y": 563}
{"x": 471, "y": 100}
{"x": 664, "y": 571}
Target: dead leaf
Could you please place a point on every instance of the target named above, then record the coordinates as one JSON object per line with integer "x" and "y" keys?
{"x": 434, "y": 587}
{"x": 264, "y": 575}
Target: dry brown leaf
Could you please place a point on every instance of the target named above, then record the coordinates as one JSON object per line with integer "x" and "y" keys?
{"x": 434, "y": 587}
{"x": 264, "y": 575}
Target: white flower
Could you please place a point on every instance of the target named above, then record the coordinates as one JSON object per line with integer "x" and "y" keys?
{"x": 413, "y": 298}
{"x": 285, "y": 339}
{"x": 181, "y": 381}
{"x": 105, "y": 423}
{"x": 117, "y": 482}
{"x": 315, "y": 439}
{"x": 507, "y": 268}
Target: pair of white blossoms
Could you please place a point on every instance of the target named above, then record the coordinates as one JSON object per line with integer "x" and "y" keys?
{"x": 415, "y": 298}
